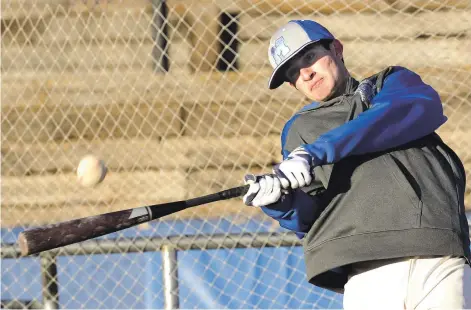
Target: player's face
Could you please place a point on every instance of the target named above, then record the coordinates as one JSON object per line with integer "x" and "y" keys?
{"x": 317, "y": 72}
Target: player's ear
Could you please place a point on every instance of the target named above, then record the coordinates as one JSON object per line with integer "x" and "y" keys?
{"x": 291, "y": 84}
{"x": 337, "y": 48}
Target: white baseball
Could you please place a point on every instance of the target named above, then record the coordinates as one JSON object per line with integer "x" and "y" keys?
{"x": 91, "y": 171}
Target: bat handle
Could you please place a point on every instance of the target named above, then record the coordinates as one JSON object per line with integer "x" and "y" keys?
{"x": 234, "y": 192}
{"x": 225, "y": 194}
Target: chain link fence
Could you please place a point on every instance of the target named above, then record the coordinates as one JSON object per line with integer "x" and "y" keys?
{"x": 173, "y": 96}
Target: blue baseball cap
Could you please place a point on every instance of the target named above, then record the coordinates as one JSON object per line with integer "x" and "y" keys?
{"x": 288, "y": 41}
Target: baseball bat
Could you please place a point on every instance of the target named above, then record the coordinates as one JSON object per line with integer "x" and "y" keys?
{"x": 61, "y": 234}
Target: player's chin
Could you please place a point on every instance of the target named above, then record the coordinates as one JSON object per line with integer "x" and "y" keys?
{"x": 321, "y": 94}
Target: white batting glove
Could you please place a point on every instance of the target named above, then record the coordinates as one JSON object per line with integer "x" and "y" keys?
{"x": 264, "y": 190}
{"x": 295, "y": 170}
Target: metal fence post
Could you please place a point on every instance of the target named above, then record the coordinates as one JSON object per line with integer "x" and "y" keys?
{"x": 170, "y": 277}
{"x": 160, "y": 36}
{"x": 49, "y": 280}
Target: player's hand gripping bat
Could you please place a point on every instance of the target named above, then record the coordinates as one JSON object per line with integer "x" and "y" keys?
{"x": 57, "y": 235}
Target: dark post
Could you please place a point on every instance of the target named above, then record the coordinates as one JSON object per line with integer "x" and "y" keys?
{"x": 49, "y": 280}
{"x": 228, "y": 42}
{"x": 160, "y": 36}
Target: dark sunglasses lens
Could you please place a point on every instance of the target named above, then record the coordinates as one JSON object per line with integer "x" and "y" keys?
{"x": 292, "y": 75}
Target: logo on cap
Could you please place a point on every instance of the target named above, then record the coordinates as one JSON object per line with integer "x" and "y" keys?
{"x": 280, "y": 50}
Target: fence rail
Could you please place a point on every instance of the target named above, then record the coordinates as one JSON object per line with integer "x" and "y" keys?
{"x": 179, "y": 243}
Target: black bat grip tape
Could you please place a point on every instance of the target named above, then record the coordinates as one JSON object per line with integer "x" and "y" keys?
{"x": 235, "y": 192}
{"x": 225, "y": 194}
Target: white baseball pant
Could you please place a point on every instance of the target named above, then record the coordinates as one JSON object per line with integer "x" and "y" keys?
{"x": 410, "y": 283}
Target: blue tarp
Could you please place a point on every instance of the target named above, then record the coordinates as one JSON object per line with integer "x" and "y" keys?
{"x": 225, "y": 278}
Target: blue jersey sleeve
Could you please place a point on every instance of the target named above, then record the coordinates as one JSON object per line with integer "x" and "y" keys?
{"x": 404, "y": 110}
{"x": 296, "y": 211}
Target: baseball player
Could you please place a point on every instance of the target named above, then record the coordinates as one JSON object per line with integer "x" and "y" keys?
{"x": 375, "y": 194}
